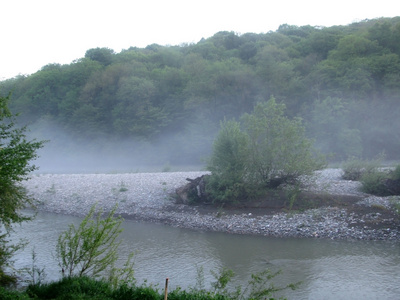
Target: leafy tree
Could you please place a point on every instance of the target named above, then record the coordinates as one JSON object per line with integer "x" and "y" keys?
{"x": 279, "y": 150}
{"x": 270, "y": 150}
{"x": 135, "y": 113}
{"x": 102, "y": 55}
{"x": 228, "y": 164}
{"x": 15, "y": 154}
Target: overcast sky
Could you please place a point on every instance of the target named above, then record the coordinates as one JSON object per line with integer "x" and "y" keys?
{"x": 35, "y": 33}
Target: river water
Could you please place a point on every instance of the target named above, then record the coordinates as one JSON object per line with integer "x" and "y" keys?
{"x": 328, "y": 269}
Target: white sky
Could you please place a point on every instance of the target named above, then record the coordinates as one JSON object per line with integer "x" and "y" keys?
{"x": 35, "y": 33}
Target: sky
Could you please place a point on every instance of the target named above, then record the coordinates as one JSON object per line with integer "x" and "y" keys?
{"x": 35, "y": 33}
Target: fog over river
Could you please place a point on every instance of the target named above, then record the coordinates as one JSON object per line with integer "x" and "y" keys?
{"x": 328, "y": 269}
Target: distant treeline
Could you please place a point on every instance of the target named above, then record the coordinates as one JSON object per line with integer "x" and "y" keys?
{"x": 343, "y": 81}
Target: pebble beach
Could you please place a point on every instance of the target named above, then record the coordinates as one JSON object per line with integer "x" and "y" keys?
{"x": 150, "y": 197}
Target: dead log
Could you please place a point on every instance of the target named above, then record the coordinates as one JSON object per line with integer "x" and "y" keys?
{"x": 193, "y": 192}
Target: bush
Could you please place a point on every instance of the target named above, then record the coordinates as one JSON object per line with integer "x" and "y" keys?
{"x": 373, "y": 183}
{"x": 381, "y": 182}
{"x": 136, "y": 293}
{"x": 92, "y": 248}
{"x": 12, "y": 295}
{"x": 355, "y": 168}
{"x": 83, "y": 287}
{"x": 71, "y": 288}
{"x": 269, "y": 151}
{"x": 396, "y": 173}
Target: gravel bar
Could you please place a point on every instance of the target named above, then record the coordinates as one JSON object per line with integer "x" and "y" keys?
{"x": 149, "y": 197}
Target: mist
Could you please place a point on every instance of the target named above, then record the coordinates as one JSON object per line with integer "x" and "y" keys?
{"x": 64, "y": 153}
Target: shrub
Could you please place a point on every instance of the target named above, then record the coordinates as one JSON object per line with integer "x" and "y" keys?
{"x": 71, "y": 288}
{"x": 381, "y": 182}
{"x": 396, "y": 173}
{"x": 374, "y": 183}
{"x": 270, "y": 150}
{"x": 83, "y": 287}
{"x": 136, "y": 293}
{"x": 228, "y": 164}
{"x": 279, "y": 150}
{"x": 12, "y": 295}
{"x": 92, "y": 248}
{"x": 355, "y": 168}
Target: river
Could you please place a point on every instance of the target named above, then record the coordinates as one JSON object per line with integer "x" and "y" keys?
{"x": 328, "y": 269}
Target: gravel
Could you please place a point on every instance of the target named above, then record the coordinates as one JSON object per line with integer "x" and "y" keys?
{"x": 149, "y": 197}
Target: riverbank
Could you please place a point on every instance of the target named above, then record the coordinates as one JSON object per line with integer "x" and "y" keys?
{"x": 344, "y": 213}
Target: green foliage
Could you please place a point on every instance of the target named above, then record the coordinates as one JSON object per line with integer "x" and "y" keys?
{"x": 228, "y": 164}
{"x": 71, "y": 288}
{"x": 278, "y": 147}
{"x": 102, "y": 55}
{"x": 341, "y": 78}
{"x": 137, "y": 293}
{"x": 16, "y": 152}
{"x": 374, "y": 179}
{"x": 222, "y": 280}
{"x": 6, "y": 294}
{"x": 381, "y": 182}
{"x": 92, "y": 248}
{"x": 259, "y": 287}
{"x": 354, "y": 168}
{"x": 271, "y": 150}
{"x": 396, "y": 173}
{"x": 37, "y": 274}
{"x": 373, "y": 183}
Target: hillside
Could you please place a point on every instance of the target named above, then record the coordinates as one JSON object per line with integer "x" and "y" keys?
{"x": 161, "y": 105}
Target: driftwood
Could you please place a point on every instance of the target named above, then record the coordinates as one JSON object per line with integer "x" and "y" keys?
{"x": 194, "y": 191}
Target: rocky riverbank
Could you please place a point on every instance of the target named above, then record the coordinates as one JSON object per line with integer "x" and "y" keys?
{"x": 344, "y": 213}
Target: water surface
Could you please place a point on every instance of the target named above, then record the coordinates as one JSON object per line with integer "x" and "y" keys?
{"x": 328, "y": 269}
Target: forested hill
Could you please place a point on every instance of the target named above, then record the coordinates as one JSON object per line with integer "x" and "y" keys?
{"x": 344, "y": 81}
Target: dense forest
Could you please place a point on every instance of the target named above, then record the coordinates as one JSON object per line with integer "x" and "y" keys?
{"x": 164, "y": 104}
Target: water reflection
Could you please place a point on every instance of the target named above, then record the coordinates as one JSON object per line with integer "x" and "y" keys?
{"x": 328, "y": 269}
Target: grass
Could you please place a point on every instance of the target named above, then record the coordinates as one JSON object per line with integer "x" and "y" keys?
{"x": 122, "y": 187}
{"x": 258, "y": 287}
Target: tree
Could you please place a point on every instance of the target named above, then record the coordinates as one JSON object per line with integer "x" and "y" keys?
{"x": 228, "y": 164}
{"x": 102, "y": 55}
{"x": 270, "y": 150}
{"x": 279, "y": 150}
{"x": 15, "y": 154}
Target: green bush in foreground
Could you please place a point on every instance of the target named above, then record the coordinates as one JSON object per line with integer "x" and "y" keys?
{"x": 84, "y": 287}
{"x": 71, "y": 288}
{"x": 92, "y": 248}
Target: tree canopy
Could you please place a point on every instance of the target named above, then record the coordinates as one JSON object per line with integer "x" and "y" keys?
{"x": 149, "y": 93}
{"x": 264, "y": 150}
